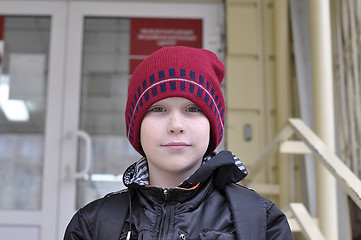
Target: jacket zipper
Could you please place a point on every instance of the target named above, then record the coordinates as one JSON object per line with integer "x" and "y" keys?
{"x": 165, "y": 220}
{"x": 165, "y": 193}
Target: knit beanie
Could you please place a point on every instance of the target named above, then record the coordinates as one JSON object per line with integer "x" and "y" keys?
{"x": 192, "y": 73}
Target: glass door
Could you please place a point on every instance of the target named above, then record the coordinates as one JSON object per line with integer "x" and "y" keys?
{"x": 32, "y": 37}
{"x": 100, "y": 60}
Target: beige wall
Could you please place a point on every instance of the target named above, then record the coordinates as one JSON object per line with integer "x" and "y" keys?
{"x": 251, "y": 86}
{"x": 250, "y": 80}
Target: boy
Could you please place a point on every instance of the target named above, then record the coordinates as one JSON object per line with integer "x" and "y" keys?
{"x": 182, "y": 188}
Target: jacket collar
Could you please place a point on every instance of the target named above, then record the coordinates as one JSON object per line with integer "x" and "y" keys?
{"x": 224, "y": 166}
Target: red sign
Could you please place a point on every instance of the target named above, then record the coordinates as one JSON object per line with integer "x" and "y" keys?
{"x": 2, "y": 22}
{"x": 150, "y": 34}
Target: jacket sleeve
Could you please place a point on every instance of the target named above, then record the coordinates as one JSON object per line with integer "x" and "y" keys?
{"x": 78, "y": 228}
{"x": 277, "y": 223}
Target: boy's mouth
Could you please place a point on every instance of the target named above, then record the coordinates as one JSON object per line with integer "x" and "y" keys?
{"x": 176, "y": 145}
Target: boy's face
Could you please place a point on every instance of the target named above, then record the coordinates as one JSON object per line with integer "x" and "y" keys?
{"x": 174, "y": 135}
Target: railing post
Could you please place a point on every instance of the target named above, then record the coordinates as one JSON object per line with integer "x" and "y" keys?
{"x": 323, "y": 112}
{"x": 282, "y": 76}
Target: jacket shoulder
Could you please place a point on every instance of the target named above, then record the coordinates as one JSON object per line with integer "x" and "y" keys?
{"x": 93, "y": 208}
{"x": 90, "y": 221}
{"x": 248, "y": 212}
{"x": 242, "y": 191}
{"x": 262, "y": 218}
{"x": 106, "y": 214}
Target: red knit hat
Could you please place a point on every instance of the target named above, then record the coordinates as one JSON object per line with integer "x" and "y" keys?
{"x": 192, "y": 73}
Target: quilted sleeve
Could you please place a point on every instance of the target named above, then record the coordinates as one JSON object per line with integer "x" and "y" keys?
{"x": 78, "y": 228}
{"x": 277, "y": 224}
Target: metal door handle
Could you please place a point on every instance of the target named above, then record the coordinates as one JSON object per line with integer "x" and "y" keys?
{"x": 87, "y": 140}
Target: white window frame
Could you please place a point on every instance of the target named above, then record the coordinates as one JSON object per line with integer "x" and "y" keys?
{"x": 46, "y": 217}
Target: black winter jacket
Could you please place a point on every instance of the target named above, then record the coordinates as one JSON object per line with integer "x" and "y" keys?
{"x": 209, "y": 205}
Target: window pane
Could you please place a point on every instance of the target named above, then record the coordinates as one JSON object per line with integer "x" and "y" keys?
{"x": 103, "y": 97}
{"x": 23, "y": 81}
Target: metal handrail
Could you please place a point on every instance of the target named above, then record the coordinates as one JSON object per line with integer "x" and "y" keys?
{"x": 306, "y": 222}
{"x": 347, "y": 179}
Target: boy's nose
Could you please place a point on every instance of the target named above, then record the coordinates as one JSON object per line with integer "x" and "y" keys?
{"x": 176, "y": 123}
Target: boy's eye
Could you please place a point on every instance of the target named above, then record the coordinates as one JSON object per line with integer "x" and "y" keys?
{"x": 157, "y": 109}
{"x": 193, "y": 109}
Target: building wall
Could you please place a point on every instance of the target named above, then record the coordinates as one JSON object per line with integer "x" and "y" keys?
{"x": 250, "y": 82}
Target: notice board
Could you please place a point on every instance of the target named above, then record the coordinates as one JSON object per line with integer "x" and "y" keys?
{"x": 150, "y": 34}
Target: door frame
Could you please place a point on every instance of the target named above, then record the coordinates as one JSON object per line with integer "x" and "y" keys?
{"x": 47, "y": 215}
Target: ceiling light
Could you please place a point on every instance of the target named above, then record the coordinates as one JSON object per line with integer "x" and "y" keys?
{"x": 14, "y": 110}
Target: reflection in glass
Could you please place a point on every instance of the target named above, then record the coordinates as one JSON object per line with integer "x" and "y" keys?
{"x": 23, "y": 81}
{"x": 103, "y": 97}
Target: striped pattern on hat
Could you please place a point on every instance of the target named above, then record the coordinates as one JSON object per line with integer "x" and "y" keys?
{"x": 192, "y": 73}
